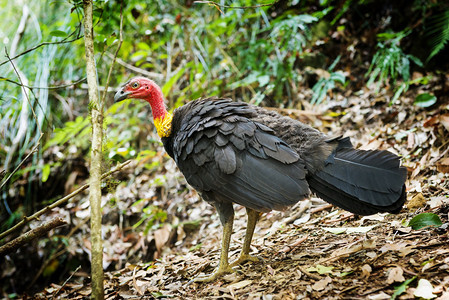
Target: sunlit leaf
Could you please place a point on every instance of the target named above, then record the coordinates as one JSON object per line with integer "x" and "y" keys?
{"x": 425, "y": 100}
{"x": 58, "y": 33}
{"x": 424, "y": 220}
{"x": 320, "y": 269}
{"x": 143, "y": 46}
{"x": 45, "y": 172}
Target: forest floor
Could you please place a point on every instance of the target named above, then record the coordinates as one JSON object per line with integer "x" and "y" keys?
{"x": 311, "y": 251}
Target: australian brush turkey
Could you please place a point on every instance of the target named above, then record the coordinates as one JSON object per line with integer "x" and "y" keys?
{"x": 233, "y": 152}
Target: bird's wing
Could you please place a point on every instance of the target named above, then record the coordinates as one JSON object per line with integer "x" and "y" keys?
{"x": 222, "y": 153}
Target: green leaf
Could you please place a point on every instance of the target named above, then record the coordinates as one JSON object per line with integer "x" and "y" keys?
{"x": 320, "y": 269}
{"x": 58, "y": 33}
{"x": 425, "y": 100}
{"x": 263, "y": 80}
{"x": 338, "y": 76}
{"x": 438, "y": 32}
{"x": 45, "y": 172}
{"x": 416, "y": 60}
{"x": 332, "y": 66}
{"x": 398, "y": 290}
{"x": 403, "y": 87}
{"x": 424, "y": 220}
{"x": 143, "y": 46}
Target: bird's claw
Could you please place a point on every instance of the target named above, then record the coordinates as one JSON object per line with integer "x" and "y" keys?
{"x": 244, "y": 258}
{"x": 212, "y": 277}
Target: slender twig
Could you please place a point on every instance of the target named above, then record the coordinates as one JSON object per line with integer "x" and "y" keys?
{"x": 235, "y": 7}
{"x": 40, "y": 45}
{"x": 289, "y": 248}
{"x": 320, "y": 208}
{"x": 26, "y": 95}
{"x": 53, "y": 256}
{"x": 65, "y": 282}
{"x": 154, "y": 75}
{"x": 36, "y": 215}
{"x": 313, "y": 276}
{"x": 44, "y": 87}
{"x": 34, "y": 150}
{"x": 31, "y": 235}
{"x": 60, "y": 250}
{"x": 115, "y": 54}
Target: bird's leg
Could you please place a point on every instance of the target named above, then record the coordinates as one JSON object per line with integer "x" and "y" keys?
{"x": 226, "y": 213}
{"x": 253, "y": 217}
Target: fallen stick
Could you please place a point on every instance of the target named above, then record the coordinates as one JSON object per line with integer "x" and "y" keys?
{"x": 320, "y": 208}
{"x": 289, "y": 248}
{"x": 302, "y": 208}
{"x": 31, "y": 235}
{"x": 313, "y": 276}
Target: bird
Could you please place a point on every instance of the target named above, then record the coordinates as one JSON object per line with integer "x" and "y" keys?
{"x": 234, "y": 152}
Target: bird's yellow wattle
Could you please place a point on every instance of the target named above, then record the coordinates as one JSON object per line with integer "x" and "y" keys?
{"x": 163, "y": 125}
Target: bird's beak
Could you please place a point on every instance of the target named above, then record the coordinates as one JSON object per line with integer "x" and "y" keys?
{"x": 120, "y": 96}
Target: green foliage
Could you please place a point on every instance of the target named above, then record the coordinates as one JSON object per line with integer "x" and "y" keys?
{"x": 241, "y": 50}
{"x": 269, "y": 55}
{"x": 390, "y": 63}
{"x": 438, "y": 32}
{"x": 52, "y": 64}
{"x": 325, "y": 84}
{"x": 77, "y": 132}
{"x": 152, "y": 217}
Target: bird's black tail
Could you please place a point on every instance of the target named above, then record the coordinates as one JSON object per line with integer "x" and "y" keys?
{"x": 362, "y": 182}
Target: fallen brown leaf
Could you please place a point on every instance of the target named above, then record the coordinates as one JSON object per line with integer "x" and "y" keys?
{"x": 416, "y": 202}
{"x": 366, "y": 270}
{"x": 443, "y": 165}
{"x": 240, "y": 284}
{"x": 321, "y": 285}
{"x": 395, "y": 275}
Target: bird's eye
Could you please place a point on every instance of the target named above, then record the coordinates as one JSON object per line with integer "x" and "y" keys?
{"x": 135, "y": 85}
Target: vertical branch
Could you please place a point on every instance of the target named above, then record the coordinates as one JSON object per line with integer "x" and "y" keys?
{"x": 95, "y": 166}
{"x": 120, "y": 42}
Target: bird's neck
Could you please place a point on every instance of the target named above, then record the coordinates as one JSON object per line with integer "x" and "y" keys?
{"x": 161, "y": 117}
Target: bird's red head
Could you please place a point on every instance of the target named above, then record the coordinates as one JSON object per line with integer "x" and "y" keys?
{"x": 139, "y": 88}
{"x": 148, "y": 90}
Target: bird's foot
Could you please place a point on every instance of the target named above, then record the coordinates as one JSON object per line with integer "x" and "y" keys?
{"x": 214, "y": 276}
{"x": 244, "y": 258}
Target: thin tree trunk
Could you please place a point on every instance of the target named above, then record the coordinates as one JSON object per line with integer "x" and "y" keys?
{"x": 96, "y": 154}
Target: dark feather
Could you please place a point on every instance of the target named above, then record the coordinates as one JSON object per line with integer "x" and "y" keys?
{"x": 225, "y": 158}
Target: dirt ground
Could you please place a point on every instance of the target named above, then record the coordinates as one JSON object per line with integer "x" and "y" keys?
{"x": 301, "y": 260}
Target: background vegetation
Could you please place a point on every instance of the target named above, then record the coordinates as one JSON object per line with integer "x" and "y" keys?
{"x": 288, "y": 54}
